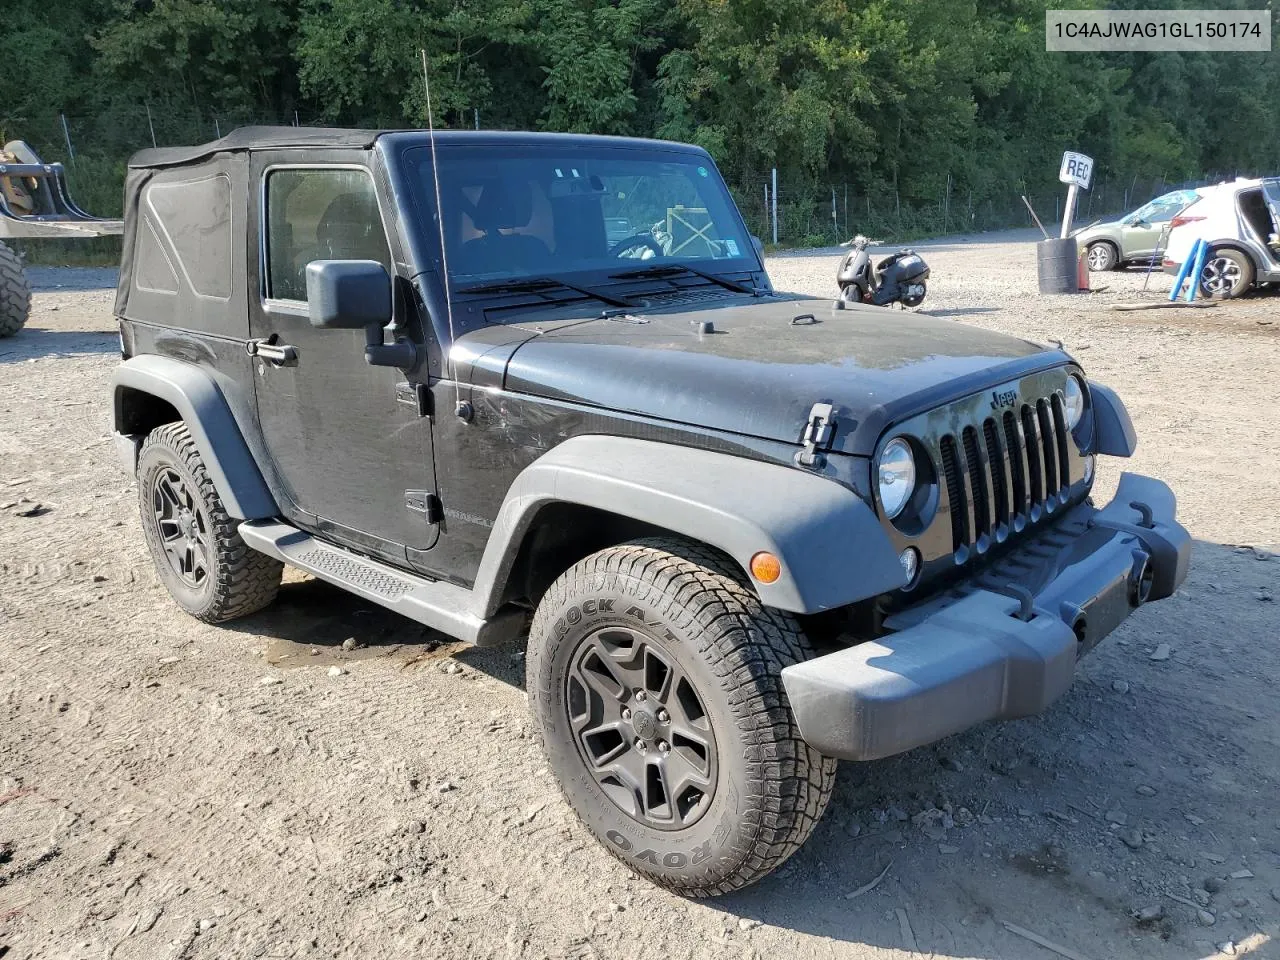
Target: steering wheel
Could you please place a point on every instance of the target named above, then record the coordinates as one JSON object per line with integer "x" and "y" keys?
{"x": 635, "y": 241}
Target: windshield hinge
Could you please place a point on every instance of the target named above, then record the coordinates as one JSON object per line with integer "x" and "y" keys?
{"x": 818, "y": 433}
{"x": 417, "y": 395}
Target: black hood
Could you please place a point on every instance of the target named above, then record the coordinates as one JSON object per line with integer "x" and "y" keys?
{"x": 762, "y": 368}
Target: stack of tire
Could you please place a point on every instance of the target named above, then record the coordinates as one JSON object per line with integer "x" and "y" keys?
{"x": 15, "y": 293}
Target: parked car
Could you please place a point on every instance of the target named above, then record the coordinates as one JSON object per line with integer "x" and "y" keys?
{"x": 1135, "y": 237}
{"x": 746, "y": 533}
{"x": 1240, "y": 221}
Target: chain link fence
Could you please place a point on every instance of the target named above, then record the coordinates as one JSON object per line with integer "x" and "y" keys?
{"x": 841, "y": 210}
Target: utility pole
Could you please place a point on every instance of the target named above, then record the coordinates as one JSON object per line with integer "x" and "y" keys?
{"x": 775, "y": 206}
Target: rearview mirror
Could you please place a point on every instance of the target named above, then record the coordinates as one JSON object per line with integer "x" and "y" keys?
{"x": 758, "y": 244}
{"x": 348, "y": 294}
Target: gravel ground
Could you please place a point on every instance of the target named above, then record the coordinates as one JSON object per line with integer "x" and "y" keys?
{"x": 170, "y": 789}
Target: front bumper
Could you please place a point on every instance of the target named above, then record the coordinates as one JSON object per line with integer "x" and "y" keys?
{"x": 1004, "y": 645}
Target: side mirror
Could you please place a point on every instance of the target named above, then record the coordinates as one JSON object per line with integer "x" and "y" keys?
{"x": 356, "y": 295}
{"x": 348, "y": 294}
{"x": 758, "y": 244}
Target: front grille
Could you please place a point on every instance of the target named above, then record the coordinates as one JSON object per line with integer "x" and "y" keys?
{"x": 1005, "y": 472}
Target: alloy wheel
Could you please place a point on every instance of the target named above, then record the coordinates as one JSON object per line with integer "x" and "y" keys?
{"x": 183, "y": 528}
{"x": 1099, "y": 257}
{"x": 1220, "y": 275}
{"x": 641, "y": 728}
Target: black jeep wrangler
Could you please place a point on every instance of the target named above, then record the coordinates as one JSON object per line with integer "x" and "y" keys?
{"x": 510, "y": 383}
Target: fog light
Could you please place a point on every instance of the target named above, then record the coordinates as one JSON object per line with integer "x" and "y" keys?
{"x": 910, "y": 560}
{"x": 765, "y": 567}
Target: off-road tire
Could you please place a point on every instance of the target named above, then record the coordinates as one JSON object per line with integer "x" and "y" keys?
{"x": 15, "y": 293}
{"x": 1243, "y": 278}
{"x": 1102, "y": 256}
{"x": 770, "y": 787}
{"x": 240, "y": 581}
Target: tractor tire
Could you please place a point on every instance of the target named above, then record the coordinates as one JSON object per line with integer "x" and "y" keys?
{"x": 654, "y": 676}
{"x": 15, "y": 293}
{"x": 198, "y": 552}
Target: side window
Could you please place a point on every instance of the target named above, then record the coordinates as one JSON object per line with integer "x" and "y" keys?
{"x": 319, "y": 214}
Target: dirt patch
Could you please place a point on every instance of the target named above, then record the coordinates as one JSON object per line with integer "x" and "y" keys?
{"x": 401, "y": 808}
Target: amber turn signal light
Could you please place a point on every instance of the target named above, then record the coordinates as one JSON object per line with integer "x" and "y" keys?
{"x": 765, "y": 567}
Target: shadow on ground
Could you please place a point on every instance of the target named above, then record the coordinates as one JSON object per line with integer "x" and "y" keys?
{"x": 311, "y": 621}
{"x": 34, "y": 343}
{"x": 67, "y": 279}
{"x": 959, "y": 311}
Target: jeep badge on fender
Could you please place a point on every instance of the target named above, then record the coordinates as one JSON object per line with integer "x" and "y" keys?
{"x": 518, "y": 385}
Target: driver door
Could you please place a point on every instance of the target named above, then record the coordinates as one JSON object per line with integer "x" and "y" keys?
{"x": 354, "y": 460}
{"x": 1140, "y": 239}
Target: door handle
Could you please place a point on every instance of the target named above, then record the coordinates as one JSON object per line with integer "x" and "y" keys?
{"x": 278, "y": 354}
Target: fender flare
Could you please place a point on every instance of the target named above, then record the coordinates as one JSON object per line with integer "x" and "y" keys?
{"x": 832, "y": 547}
{"x": 1114, "y": 435}
{"x": 196, "y": 397}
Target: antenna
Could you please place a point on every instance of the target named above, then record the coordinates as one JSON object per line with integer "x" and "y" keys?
{"x": 463, "y": 411}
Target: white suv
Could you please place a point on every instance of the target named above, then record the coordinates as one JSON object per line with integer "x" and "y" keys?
{"x": 1240, "y": 221}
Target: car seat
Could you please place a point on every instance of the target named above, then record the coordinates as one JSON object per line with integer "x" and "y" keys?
{"x": 502, "y": 206}
{"x": 351, "y": 229}
{"x": 1271, "y": 194}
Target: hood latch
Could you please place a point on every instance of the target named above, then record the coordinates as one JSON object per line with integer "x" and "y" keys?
{"x": 818, "y": 432}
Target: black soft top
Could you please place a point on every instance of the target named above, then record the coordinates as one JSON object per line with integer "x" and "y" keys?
{"x": 255, "y": 138}
{"x": 244, "y": 139}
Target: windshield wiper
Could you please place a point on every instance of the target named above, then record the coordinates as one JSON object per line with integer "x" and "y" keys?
{"x": 534, "y": 284}
{"x": 660, "y": 270}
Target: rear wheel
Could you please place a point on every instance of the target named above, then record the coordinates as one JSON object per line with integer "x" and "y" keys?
{"x": 1102, "y": 256}
{"x": 15, "y": 293}
{"x": 1226, "y": 274}
{"x": 195, "y": 545}
{"x": 654, "y": 676}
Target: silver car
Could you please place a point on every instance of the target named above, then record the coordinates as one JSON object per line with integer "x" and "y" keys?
{"x": 1135, "y": 238}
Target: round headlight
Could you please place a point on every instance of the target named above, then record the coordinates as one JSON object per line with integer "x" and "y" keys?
{"x": 897, "y": 476}
{"x": 1073, "y": 401}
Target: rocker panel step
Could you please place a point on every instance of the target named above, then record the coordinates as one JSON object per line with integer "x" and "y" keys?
{"x": 443, "y": 606}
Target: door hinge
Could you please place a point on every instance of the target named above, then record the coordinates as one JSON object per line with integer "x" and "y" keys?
{"x": 415, "y": 394}
{"x": 818, "y": 432}
{"x": 425, "y": 503}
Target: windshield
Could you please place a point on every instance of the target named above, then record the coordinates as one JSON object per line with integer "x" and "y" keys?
{"x": 1164, "y": 208}
{"x": 554, "y": 211}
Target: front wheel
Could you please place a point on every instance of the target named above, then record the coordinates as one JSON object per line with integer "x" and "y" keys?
{"x": 198, "y": 552}
{"x": 1226, "y": 274}
{"x": 654, "y": 677}
{"x": 1101, "y": 256}
{"x": 851, "y": 293}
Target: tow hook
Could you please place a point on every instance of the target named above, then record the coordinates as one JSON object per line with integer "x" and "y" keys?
{"x": 1140, "y": 578}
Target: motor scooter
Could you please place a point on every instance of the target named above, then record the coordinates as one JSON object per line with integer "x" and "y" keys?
{"x": 898, "y": 278}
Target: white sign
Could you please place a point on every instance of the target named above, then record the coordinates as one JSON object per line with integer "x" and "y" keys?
{"x": 1077, "y": 169}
